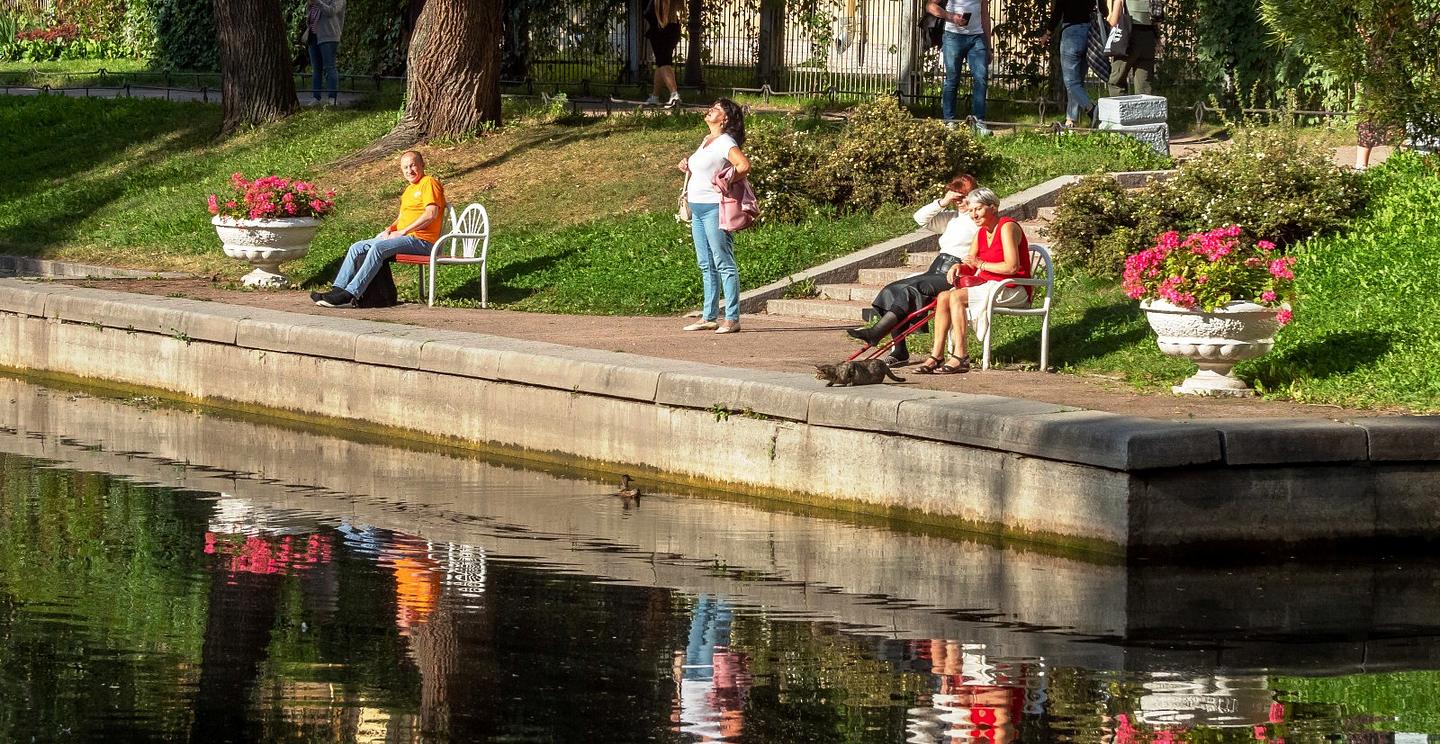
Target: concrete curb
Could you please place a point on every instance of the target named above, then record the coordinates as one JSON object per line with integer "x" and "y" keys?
{"x": 1021, "y": 206}
{"x": 27, "y": 266}
{"x": 1000, "y": 464}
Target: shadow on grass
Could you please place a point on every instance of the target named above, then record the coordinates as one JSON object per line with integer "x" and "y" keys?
{"x": 1333, "y": 354}
{"x": 1100, "y": 331}
{"x": 99, "y": 132}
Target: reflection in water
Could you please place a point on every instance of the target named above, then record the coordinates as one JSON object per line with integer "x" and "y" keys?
{"x": 274, "y": 607}
{"x": 711, "y": 679}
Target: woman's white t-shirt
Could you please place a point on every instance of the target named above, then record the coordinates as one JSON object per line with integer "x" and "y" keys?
{"x": 957, "y": 229}
{"x": 704, "y": 164}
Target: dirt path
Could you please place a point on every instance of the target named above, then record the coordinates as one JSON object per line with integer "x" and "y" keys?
{"x": 766, "y": 342}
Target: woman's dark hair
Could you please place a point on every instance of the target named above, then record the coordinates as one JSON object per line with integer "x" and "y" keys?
{"x": 962, "y": 183}
{"x": 734, "y": 120}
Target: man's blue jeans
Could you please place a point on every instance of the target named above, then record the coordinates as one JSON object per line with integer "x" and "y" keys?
{"x": 1073, "y": 38}
{"x": 974, "y": 50}
{"x": 716, "y": 256}
{"x": 322, "y": 65}
{"x": 365, "y": 257}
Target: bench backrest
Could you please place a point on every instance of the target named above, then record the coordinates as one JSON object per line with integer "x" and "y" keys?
{"x": 474, "y": 225}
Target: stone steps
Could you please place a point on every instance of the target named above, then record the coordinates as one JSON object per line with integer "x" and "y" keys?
{"x": 849, "y": 292}
{"x": 846, "y": 301}
{"x": 840, "y": 311}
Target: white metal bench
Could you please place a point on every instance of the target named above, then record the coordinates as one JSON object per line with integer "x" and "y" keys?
{"x": 1041, "y": 265}
{"x": 468, "y": 242}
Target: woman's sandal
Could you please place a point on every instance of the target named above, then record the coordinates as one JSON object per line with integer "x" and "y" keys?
{"x": 928, "y": 366}
{"x": 947, "y": 369}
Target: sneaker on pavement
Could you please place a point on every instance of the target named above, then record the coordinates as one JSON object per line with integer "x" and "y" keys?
{"x": 336, "y": 298}
{"x": 653, "y": 100}
{"x": 674, "y": 99}
{"x": 701, "y": 325}
{"x": 728, "y": 326}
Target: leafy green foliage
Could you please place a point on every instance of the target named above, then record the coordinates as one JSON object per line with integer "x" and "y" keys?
{"x": 1365, "y": 331}
{"x": 1087, "y": 215}
{"x": 883, "y": 155}
{"x": 1269, "y": 181}
{"x": 1389, "y": 48}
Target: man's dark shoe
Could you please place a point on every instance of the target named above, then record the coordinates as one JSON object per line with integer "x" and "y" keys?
{"x": 336, "y": 298}
{"x": 316, "y": 297}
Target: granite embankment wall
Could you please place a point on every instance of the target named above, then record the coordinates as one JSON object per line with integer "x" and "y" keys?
{"x": 1086, "y": 479}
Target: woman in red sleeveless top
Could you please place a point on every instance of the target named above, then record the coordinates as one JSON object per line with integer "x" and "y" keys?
{"x": 1000, "y": 253}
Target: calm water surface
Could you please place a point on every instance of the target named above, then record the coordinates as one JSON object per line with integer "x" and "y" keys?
{"x": 171, "y": 575}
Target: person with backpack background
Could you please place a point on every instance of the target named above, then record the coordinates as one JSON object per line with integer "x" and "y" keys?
{"x": 1137, "y": 64}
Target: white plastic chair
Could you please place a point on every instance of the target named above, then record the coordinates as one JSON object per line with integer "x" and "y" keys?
{"x": 1040, "y": 265}
{"x": 468, "y": 242}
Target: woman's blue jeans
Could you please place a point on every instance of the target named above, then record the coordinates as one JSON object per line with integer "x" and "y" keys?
{"x": 973, "y": 49}
{"x": 716, "y": 256}
{"x": 1073, "y": 39}
{"x": 322, "y": 65}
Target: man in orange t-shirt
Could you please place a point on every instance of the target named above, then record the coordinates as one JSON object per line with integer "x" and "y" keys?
{"x": 414, "y": 231}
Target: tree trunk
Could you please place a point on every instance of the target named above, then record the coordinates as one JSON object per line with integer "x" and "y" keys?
{"x": 255, "y": 82}
{"x": 453, "y": 70}
{"x": 694, "y": 58}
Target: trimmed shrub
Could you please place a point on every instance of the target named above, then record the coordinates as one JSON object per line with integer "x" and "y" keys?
{"x": 785, "y": 160}
{"x": 882, "y": 155}
{"x": 1269, "y": 181}
{"x": 885, "y": 155}
{"x": 1087, "y": 216}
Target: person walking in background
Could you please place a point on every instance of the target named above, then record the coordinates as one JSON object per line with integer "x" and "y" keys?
{"x": 967, "y": 37}
{"x": 324, "y": 19}
{"x": 1072, "y": 17}
{"x": 1138, "y": 64}
{"x": 662, "y": 30}
{"x": 714, "y": 250}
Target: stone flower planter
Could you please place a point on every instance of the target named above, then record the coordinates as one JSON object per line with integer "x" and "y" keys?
{"x": 265, "y": 244}
{"x": 1213, "y": 341}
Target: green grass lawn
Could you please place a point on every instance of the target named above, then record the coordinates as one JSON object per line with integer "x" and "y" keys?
{"x": 581, "y": 213}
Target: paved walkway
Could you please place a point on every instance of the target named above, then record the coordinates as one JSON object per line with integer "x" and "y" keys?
{"x": 766, "y": 342}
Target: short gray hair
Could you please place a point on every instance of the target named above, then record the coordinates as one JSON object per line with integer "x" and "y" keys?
{"x": 984, "y": 196}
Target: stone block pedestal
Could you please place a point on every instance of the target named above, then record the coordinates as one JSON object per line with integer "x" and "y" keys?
{"x": 1142, "y": 117}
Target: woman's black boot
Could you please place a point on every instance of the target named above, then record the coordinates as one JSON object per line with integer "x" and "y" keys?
{"x": 874, "y": 333}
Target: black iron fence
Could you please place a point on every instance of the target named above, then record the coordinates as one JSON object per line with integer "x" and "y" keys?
{"x": 827, "y": 47}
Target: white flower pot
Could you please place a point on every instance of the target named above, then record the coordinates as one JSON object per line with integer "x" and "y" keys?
{"x": 1215, "y": 342}
{"x": 265, "y": 244}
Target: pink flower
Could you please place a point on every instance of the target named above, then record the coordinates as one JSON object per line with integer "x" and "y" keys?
{"x": 1284, "y": 317}
{"x": 1280, "y": 268}
{"x": 1268, "y": 296}
{"x": 1265, "y": 245}
{"x": 214, "y": 203}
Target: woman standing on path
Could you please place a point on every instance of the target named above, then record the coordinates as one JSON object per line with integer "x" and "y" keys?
{"x": 713, "y": 247}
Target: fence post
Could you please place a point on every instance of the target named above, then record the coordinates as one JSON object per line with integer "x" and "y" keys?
{"x": 908, "y": 60}
{"x": 772, "y": 41}
{"x": 633, "y": 24}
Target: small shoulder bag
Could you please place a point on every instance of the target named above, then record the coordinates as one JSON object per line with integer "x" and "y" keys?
{"x": 683, "y": 213}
